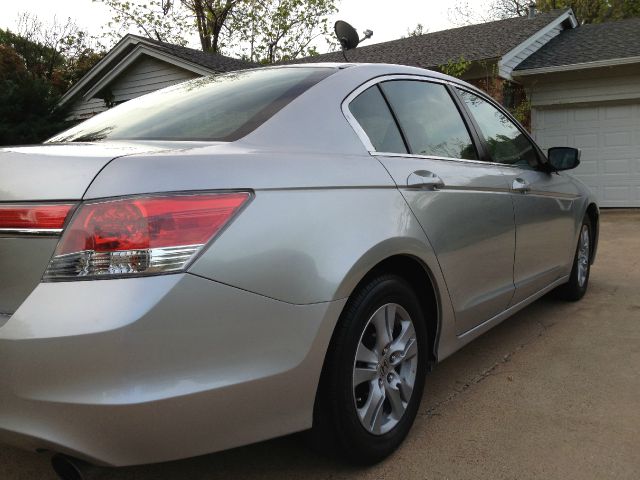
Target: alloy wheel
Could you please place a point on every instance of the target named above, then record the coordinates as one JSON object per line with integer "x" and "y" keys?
{"x": 583, "y": 256}
{"x": 385, "y": 368}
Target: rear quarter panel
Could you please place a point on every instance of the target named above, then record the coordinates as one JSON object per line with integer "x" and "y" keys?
{"x": 313, "y": 245}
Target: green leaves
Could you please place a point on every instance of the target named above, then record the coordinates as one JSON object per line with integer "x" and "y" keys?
{"x": 150, "y": 18}
{"x": 38, "y": 63}
{"x": 595, "y": 11}
{"x": 456, "y": 68}
{"x": 264, "y": 31}
{"x": 277, "y": 30}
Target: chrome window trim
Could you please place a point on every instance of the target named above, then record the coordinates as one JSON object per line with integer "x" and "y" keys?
{"x": 364, "y": 138}
{"x": 374, "y": 81}
{"x": 450, "y": 159}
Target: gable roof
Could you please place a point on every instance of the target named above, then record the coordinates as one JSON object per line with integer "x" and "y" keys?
{"x": 483, "y": 41}
{"x": 131, "y": 47}
{"x": 589, "y": 46}
{"x": 214, "y": 61}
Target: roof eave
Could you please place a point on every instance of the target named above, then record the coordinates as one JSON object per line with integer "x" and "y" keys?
{"x": 119, "y": 49}
{"x": 612, "y": 62}
{"x": 144, "y": 49}
{"x": 138, "y": 44}
{"x": 506, "y": 71}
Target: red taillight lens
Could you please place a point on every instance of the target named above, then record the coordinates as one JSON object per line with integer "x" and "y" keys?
{"x": 35, "y": 217}
{"x": 140, "y": 235}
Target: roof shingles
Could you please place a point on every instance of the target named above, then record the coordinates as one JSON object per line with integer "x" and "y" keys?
{"x": 474, "y": 42}
{"x": 588, "y": 43}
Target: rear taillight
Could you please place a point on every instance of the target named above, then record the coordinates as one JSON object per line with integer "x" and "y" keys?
{"x": 140, "y": 235}
{"x": 46, "y": 219}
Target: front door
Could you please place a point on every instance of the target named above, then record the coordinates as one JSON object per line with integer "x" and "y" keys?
{"x": 545, "y": 228}
{"x": 544, "y": 203}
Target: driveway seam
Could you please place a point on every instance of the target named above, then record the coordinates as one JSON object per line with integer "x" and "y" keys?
{"x": 490, "y": 371}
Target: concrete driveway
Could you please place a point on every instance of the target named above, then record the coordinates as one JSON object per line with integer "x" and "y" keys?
{"x": 552, "y": 393}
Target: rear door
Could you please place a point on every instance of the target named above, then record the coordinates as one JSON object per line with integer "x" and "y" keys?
{"x": 544, "y": 202}
{"x": 414, "y": 127}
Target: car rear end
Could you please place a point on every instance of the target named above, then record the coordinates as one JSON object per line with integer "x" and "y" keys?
{"x": 115, "y": 347}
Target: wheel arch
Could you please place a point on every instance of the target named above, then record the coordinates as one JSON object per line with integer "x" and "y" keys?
{"x": 419, "y": 276}
{"x": 594, "y": 216}
{"x": 422, "y": 279}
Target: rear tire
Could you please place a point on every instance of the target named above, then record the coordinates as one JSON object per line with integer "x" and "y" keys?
{"x": 578, "y": 282}
{"x": 374, "y": 373}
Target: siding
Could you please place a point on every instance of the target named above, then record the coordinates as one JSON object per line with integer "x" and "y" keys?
{"x": 583, "y": 87}
{"x": 145, "y": 76}
{"x": 83, "y": 109}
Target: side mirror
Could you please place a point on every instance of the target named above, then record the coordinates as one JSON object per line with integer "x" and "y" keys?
{"x": 563, "y": 158}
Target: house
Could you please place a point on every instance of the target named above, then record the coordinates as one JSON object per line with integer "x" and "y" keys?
{"x": 582, "y": 82}
{"x": 494, "y": 49}
{"x": 584, "y": 88}
{"x": 136, "y": 66}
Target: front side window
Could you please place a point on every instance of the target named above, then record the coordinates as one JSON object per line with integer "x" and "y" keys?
{"x": 507, "y": 144}
{"x": 374, "y": 116}
{"x": 216, "y": 108}
{"x": 429, "y": 119}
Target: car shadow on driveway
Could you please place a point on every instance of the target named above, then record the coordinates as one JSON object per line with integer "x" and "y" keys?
{"x": 292, "y": 457}
{"x": 550, "y": 393}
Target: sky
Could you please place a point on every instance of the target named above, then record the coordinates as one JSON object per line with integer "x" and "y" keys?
{"x": 389, "y": 19}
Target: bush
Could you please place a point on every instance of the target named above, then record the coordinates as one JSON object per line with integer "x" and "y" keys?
{"x": 28, "y": 112}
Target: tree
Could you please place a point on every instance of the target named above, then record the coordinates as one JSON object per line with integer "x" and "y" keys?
{"x": 155, "y": 19}
{"x": 417, "y": 31}
{"x": 260, "y": 30}
{"x": 595, "y": 11}
{"x": 27, "y": 102}
{"x": 509, "y": 8}
{"x": 38, "y": 63}
{"x": 215, "y": 20}
{"x": 276, "y": 30}
{"x": 174, "y": 21}
{"x": 587, "y": 11}
{"x": 456, "y": 68}
{"x": 59, "y": 52}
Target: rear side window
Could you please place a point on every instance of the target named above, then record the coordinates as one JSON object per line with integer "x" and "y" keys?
{"x": 506, "y": 143}
{"x": 429, "y": 119}
{"x": 216, "y": 108}
{"x": 373, "y": 115}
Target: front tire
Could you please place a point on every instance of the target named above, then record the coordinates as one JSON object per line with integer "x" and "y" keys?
{"x": 374, "y": 373}
{"x": 578, "y": 282}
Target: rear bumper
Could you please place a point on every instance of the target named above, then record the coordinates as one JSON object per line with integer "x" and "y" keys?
{"x": 122, "y": 372}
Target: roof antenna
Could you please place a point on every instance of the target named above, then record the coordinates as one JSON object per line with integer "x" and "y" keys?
{"x": 348, "y": 37}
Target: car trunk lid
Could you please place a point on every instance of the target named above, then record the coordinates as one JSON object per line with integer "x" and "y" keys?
{"x": 45, "y": 174}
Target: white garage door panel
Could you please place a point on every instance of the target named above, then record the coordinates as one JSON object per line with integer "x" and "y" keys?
{"x": 609, "y": 137}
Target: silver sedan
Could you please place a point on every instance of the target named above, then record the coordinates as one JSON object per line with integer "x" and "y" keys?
{"x": 253, "y": 254}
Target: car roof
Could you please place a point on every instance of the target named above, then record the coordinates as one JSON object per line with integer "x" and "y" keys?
{"x": 380, "y": 69}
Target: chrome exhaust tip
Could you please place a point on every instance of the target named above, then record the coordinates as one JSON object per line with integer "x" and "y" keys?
{"x": 67, "y": 468}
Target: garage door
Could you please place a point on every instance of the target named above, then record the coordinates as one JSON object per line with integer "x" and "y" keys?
{"x": 609, "y": 136}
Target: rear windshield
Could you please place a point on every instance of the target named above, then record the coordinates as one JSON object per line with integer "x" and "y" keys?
{"x": 217, "y": 108}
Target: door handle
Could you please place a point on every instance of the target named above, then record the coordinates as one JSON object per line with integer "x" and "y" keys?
{"x": 520, "y": 185}
{"x": 424, "y": 179}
